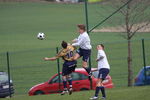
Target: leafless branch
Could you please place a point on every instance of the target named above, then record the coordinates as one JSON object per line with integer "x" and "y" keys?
{"x": 138, "y": 28}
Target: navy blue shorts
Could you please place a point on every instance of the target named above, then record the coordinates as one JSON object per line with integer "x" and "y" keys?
{"x": 103, "y": 73}
{"x": 68, "y": 67}
{"x": 85, "y": 53}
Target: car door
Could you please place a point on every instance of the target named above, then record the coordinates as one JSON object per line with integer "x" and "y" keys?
{"x": 148, "y": 75}
{"x": 80, "y": 81}
{"x": 54, "y": 86}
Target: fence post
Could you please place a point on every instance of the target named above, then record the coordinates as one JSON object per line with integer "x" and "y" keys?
{"x": 144, "y": 61}
{"x": 87, "y": 28}
{"x": 86, "y": 16}
{"x": 8, "y": 68}
{"x": 58, "y": 66}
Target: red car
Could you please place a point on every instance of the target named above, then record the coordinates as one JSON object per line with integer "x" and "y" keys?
{"x": 80, "y": 82}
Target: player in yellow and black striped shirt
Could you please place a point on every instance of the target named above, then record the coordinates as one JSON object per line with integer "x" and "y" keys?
{"x": 67, "y": 53}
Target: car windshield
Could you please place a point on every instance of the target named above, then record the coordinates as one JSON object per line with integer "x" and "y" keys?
{"x": 3, "y": 78}
{"x": 95, "y": 74}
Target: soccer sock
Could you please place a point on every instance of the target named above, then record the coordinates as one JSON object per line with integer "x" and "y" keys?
{"x": 103, "y": 91}
{"x": 70, "y": 82}
{"x": 65, "y": 85}
{"x": 97, "y": 91}
{"x": 88, "y": 69}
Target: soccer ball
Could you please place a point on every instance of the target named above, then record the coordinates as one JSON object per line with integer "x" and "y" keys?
{"x": 40, "y": 36}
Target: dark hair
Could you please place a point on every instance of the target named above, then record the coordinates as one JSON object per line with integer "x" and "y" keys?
{"x": 102, "y": 46}
{"x": 64, "y": 44}
{"x": 81, "y": 26}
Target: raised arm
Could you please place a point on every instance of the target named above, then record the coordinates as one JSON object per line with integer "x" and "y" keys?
{"x": 75, "y": 40}
{"x": 60, "y": 54}
{"x": 50, "y": 59}
{"x": 78, "y": 43}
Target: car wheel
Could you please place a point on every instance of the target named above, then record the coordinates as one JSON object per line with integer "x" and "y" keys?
{"x": 84, "y": 89}
{"x": 2, "y": 97}
{"x": 39, "y": 93}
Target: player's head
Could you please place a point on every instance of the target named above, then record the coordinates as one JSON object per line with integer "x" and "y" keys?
{"x": 64, "y": 44}
{"x": 100, "y": 47}
{"x": 81, "y": 28}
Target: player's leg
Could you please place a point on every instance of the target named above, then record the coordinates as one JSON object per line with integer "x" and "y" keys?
{"x": 70, "y": 84}
{"x": 71, "y": 69}
{"x": 99, "y": 86}
{"x": 103, "y": 74}
{"x": 69, "y": 80}
{"x": 86, "y": 56}
{"x": 85, "y": 66}
{"x": 64, "y": 78}
{"x": 77, "y": 55}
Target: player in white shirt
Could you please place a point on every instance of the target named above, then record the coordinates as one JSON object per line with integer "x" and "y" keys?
{"x": 84, "y": 51}
{"x": 103, "y": 68}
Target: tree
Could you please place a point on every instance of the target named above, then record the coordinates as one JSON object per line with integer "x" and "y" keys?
{"x": 136, "y": 17}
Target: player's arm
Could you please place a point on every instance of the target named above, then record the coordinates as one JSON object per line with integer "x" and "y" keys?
{"x": 74, "y": 47}
{"x": 75, "y": 40}
{"x": 99, "y": 56}
{"x": 60, "y": 54}
{"x": 95, "y": 69}
{"x": 50, "y": 59}
{"x": 78, "y": 42}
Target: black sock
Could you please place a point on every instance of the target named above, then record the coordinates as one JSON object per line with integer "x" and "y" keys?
{"x": 70, "y": 82}
{"x": 103, "y": 91}
{"x": 65, "y": 84}
{"x": 88, "y": 69}
{"x": 97, "y": 91}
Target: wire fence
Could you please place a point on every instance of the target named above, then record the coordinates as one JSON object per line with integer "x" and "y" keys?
{"x": 27, "y": 68}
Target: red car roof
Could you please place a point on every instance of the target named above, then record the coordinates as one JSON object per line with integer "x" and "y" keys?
{"x": 79, "y": 70}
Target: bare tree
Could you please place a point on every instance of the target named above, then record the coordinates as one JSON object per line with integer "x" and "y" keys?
{"x": 136, "y": 17}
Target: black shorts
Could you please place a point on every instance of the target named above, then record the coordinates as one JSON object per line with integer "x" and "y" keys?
{"x": 85, "y": 53}
{"x": 103, "y": 73}
{"x": 68, "y": 67}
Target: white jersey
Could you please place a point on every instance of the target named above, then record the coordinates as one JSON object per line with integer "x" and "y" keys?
{"x": 103, "y": 63}
{"x": 83, "y": 41}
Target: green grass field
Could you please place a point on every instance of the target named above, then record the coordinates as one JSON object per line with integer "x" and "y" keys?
{"x": 21, "y": 21}
{"x": 134, "y": 93}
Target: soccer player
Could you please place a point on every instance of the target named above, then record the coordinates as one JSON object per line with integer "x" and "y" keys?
{"x": 83, "y": 41}
{"x": 69, "y": 65}
{"x": 103, "y": 68}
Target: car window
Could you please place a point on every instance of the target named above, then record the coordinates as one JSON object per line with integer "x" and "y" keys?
{"x": 3, "y": 78}
{"x": 56, "y": 79}
{"x": 95, "y": 74}
{"x": 83, "y": 77}
{"x": 78, "y": 76}
{"x": 75, "y": 76}
{"x": 148, "y": 72}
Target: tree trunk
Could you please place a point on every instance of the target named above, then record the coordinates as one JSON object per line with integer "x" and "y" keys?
{"x": 130, "y": 72}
